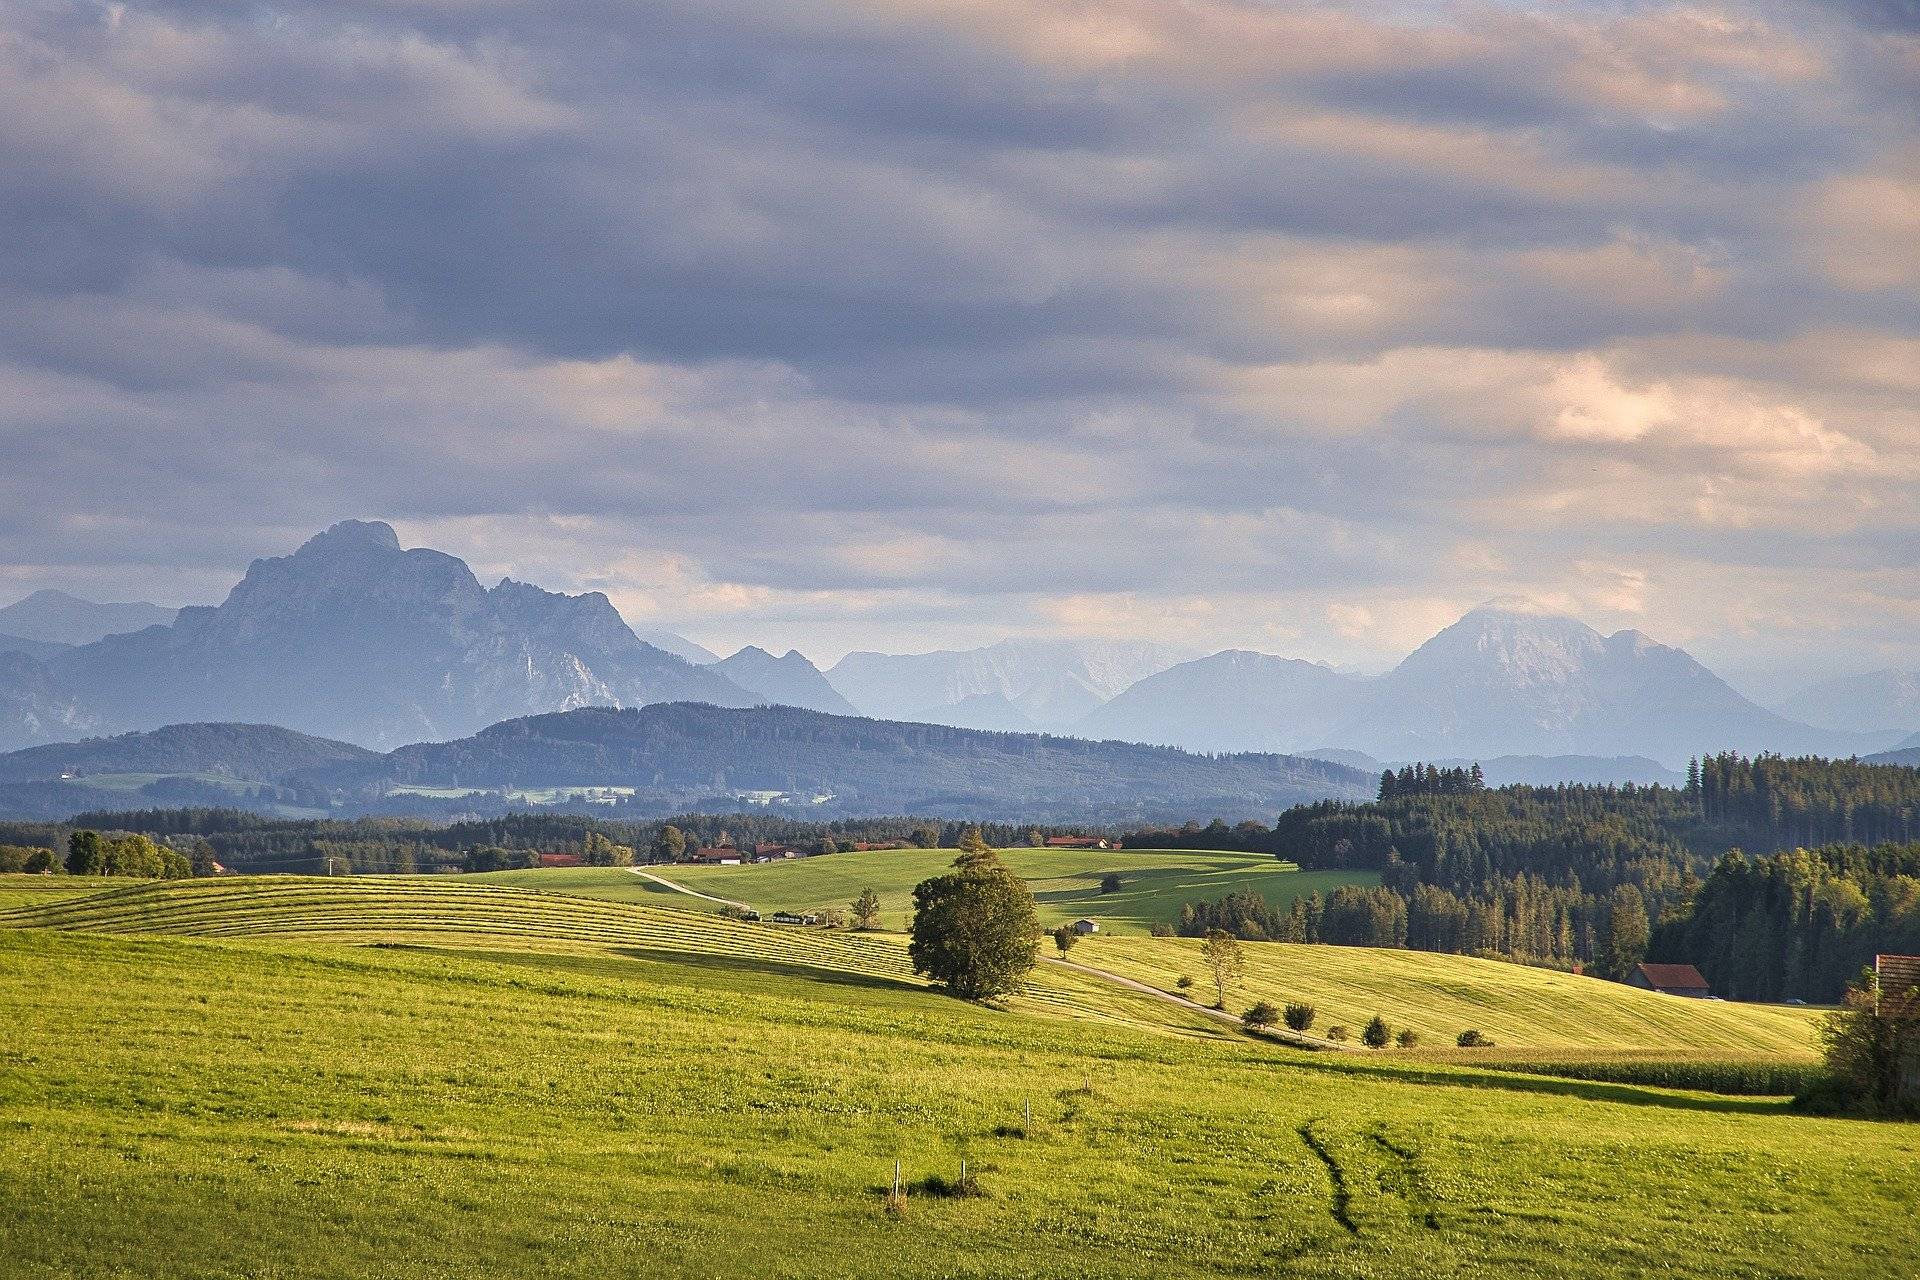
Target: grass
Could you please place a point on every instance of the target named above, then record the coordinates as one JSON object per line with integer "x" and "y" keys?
{"x": 460, "y": 912}
{"x": 1155, "y": 883}
{"x": 17, "y": 890}
{"x": 1440, "y": 996}
{"x": 295, "y": 1108}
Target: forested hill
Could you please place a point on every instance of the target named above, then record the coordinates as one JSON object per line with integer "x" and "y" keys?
{"x": 685, "y": 755}
{"x": 1605, "y": 876}
{"x": 251, "y": 751}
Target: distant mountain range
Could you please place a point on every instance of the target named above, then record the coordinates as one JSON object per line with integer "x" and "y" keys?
{"x": 1013, "y": 685}
{"x": 353, "y": 637}
{"x": 672, "y": 757}
{"x": 1878, "y": 700}
{"x": 790, "y": 680}
{"x": 59, "y": 618}
{"x": 1502, "y": 681}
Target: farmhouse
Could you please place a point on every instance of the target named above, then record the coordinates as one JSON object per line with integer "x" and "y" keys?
{"x": 1085, "y": 926}
{"x": 1899, "y": 978}
{"x": 559, "y": 859}
{"x": 1670, "y": 980}
{"x": 767, "y": 852}
{"x": 717, "y": 856}
{"x": 795, "y": 917}
{"x": 1077, "y": 842}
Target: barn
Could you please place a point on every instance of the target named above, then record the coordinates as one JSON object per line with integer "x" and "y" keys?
{"x": 1670, "y": 980}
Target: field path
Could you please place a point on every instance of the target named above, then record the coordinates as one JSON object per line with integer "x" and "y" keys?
{"x": 665, "y": 883}
{"x": 1283, "y": 1034}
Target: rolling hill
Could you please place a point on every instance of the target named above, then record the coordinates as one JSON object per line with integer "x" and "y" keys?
{"x": 677, "y": 756}
{"x": 357, "y": 1077}
{"x": 1155, "y": 883}
{"x": 260, "y": 752}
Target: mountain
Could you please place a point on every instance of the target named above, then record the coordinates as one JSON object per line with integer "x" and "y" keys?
{"x": 1510, "y": 681}
{"x": 255, "y": 751}
{"x": 684, "y": 755}
{"x": 35, "y": 706}
{"x": 352, "y": 637}
{"x": 989, "y": 711}
{"x": 1049, "y": 683}
{"x": 1876, "y": 700}
{"x": 679, "y": 646}
{"x": 790, "y": 681}
{"x": 40, "y": 650}
{"x": 1230, "y": 701}
{"x": 67, "y": 619}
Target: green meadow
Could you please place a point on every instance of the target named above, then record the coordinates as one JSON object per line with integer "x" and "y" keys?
{"x": 1155, "y": 883}
{"x": 409, "y": 1078}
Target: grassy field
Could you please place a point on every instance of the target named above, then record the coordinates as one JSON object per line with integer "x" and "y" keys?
{"x": 292, "y": 1107}
{"x": 1065, "y": 882}
{"x": 1441, "y": 996}
{"x": 24, "y": 890}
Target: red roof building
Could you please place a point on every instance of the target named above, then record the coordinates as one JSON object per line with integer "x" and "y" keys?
{"x": 1670, "y": 980}
{"x": 1076, "y": 842}
{"x": 559, "y": 859}
{"x": 1899, "y": 977}
{"x": 717, "y": 855}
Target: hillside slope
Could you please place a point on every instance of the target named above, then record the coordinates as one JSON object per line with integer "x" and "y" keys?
{"x": 260, "y": 752}
{"x": 1440, "y": 996}
{"x": 290, "y": 1108}
{"x": 686, "y": 753}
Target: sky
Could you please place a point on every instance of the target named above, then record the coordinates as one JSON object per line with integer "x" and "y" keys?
{"x": 864, "y": 324}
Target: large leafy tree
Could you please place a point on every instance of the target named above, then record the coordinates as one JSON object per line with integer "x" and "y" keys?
{"x": 974, "y": 928}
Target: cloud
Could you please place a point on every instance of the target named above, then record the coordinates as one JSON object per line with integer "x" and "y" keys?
{"x": 822, "y": 322}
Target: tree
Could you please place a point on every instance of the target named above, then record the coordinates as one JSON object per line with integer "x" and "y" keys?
{"x": 1872, "y": 1049}
{"x": 1406, "y": 1038}
{"x": 974, "y": 850}
{"x": 86, "y": 854}
{"x": 1261, "y": 1016}
{"x": 974, "y": 928}
{"x": 201, "y": 860}
{"x": 1300, "y": 1016}
{"x": 669, "y": 845}
{"x": 1472, "y": 1039}
{"x": 1376, "y": 1035}
{"x": 1221, "y": 952}
{"x": 1337, "y": 1034}
{"x": 599, "y": 851}
{"x": 1064, "y": 937}
{"x": 866, "y": 910}
{"x": 927, "y": 835}
{"x": 1624, "y": 944}
{"x": 828, "y": 845}
{"x": 1110, "y": 882}
{"x": 1035, "y": 839}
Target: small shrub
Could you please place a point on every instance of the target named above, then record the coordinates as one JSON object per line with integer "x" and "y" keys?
{"x": 1161, "y": 929}
{"x": 964, "y": 1187}
{"x": 1260, "y": 1016}
{"x": 1337, "y": 1034}
{"x": 1110, "y": 882}
{"x": 1184, "y": 982}
{"x": 1300, "y": 1016}
{"x": 1407, "y": 1038}
{"x": 1376, "y": 1036}
{"x": 1471, "y": 1039}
